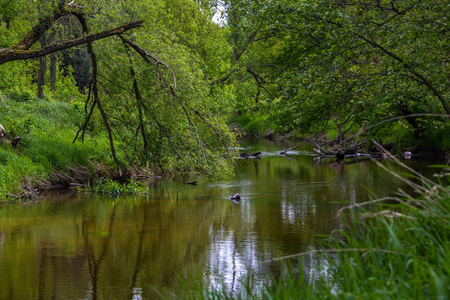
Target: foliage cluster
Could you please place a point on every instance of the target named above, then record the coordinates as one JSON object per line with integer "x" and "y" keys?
{"x": 340, "y": 66}
{"x": 156, "y": 112}
{"x": 113, "y": 188}
{"x": 253, "y": 124}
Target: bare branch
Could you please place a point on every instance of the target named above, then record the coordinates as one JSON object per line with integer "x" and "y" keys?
{"x": 146, "y": 55}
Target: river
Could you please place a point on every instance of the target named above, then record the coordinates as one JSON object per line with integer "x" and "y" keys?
{"x": 70, "y": 246}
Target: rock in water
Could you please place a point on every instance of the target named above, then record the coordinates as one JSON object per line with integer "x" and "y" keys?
{"x": 235, "y": 197}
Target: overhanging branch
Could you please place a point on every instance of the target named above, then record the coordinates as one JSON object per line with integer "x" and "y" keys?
{"x": 14, "y": 53}
{"x": 406, "y": 66}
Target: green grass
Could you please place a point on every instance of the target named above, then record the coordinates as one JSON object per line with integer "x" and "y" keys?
{"x": 14, "y": 168}
{"x": 47, "y": 129}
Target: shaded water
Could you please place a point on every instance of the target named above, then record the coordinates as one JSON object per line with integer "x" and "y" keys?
{"x": 73, "y": 247}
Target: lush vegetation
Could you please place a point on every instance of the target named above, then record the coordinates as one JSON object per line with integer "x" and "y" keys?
{"x": 335, "y": 67}
{"x": 156, "y": 81}
{"x": 152, "y": 85}
{"x": 113, "y": 188}
{"x": 139, "y": 101}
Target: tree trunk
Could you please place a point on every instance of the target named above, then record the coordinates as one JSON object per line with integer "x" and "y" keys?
{"x": 42, "y": 70}
{"x": 7, "y": 22}
{"x": 2, "y": 134}
{"x": 53, "y": 72}
{"x": 52, "y": 66}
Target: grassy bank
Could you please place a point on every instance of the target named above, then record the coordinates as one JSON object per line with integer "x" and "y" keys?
{"x": 47, "y": 129}
{"x": 392, "y": 248}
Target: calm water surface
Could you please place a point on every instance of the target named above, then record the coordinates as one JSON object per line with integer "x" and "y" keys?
{"x": 73, "y": 247}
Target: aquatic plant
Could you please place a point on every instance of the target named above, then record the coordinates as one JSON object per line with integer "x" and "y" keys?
{"x": 114, "y": 188}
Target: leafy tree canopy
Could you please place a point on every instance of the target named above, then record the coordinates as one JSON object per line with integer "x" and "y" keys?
{"x": 151, "y": 63}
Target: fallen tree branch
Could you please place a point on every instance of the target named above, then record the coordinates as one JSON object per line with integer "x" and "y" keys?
{"x": 254, "y": 154}
{"x": 289, "y": 149}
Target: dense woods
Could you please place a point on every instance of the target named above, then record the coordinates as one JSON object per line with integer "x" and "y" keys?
{"x": 155, "y": 83}
{"x": 338, "y": 66}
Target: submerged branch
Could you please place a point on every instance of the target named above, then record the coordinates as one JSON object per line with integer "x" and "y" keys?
{"x": 289, "y": 149}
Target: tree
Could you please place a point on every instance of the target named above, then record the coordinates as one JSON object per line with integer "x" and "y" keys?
{"x": 250, "y": 62}
{"x": 168, "y": 119}
{"x": 368, "y": 59}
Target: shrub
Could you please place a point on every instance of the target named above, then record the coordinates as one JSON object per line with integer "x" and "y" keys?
{"x": 110, "y": 187}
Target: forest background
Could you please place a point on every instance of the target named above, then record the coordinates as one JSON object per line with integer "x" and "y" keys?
{"x": 154, "y": 86}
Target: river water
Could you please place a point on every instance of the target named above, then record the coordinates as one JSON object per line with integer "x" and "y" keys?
{"x": 69, "y": 246}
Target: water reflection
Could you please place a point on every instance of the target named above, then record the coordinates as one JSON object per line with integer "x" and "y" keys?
{"x": 72, "y": 247}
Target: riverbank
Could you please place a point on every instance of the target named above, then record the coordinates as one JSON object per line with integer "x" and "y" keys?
{"x": 64, "y": 142}
{"x": 434, "y": 145}
{"x": 46, "y": 157}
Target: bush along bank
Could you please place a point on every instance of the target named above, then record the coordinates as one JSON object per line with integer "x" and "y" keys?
{"x": 113, "y": 188}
